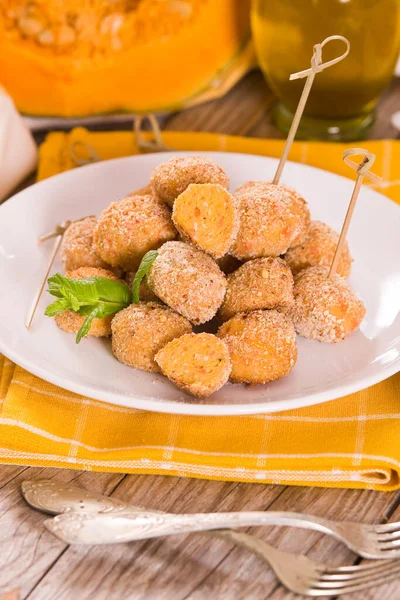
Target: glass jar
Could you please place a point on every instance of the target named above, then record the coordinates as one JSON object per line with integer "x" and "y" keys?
{"x": 343, "y": 98}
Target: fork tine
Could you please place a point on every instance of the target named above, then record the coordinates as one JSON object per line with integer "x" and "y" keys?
{"x": 373, "y": 580}
{"x": 387, "y": 527}
{"x": 362, "y": 567}
{"x": 389, "y": 554}
{"x": 390, "y": 545}
{"x": 387, "y": 537}
{"x": 362, "y": 572}
{"x": 350, "y": 588}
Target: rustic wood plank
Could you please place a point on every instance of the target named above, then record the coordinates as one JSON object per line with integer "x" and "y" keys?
{"x": 235, "y": 114}
{"x": 388, "y": 104}
{"x": 253, "y": 580}
{"x": 8, "y": 472}
{"x": 169, "y": 567}
{"x": 196, "y": 566}
{"x": 391, "y": 590}
{"x": 27, "y": 550}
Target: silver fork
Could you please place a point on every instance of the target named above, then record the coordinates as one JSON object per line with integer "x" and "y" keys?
{"x": 369, "y": 541}
{"x": 304, "y": 576}
{"x": 298, "y": 573}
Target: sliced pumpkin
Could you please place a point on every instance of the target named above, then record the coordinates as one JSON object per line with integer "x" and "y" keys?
{"x": 79, "y": 58}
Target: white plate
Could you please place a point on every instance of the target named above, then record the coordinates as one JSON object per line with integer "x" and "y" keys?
{"x": 323, "y": 371}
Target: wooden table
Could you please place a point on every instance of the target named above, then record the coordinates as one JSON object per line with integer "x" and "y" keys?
{"x": 195, "y": 567}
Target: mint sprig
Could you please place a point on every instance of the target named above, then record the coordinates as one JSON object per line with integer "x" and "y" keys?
{"x": 143, "y": 269}
{"x": 94, "y": 297}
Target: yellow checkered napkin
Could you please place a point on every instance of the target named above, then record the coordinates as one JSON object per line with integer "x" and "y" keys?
{"x": 351, "y": 442}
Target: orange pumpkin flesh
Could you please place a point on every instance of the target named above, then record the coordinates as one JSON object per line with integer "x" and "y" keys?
{"x": 129, "y": 55}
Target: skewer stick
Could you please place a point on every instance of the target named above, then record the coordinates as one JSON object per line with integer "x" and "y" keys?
{"x": 316, "y": 67}
{"x": 38, "y": 294}
{"x": 58, "y": 233}
{"x": 362, "y": 170}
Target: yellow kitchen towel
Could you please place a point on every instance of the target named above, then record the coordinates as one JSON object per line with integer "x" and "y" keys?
{"x": 349, "y": 442}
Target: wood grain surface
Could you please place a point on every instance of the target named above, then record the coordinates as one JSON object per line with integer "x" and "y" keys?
{"x": 36, "y": 565}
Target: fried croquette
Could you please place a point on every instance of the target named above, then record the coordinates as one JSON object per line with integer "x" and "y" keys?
{"x": 325, "y": 309}
{"x": 206, "y": 215}
{"x": 141, "y": 330}
{"x": 262, "y": 346}
{"x": 187, "y": 280}
{"x": 273, "y": 218}
{"x": 198, "y": 363}
{"x": 262, "y": 283}
{"x": 77, "y": 246}
{"x": 318, "y": 250}
{"x": 173, "y": 177}
{"x": 128, "y": 228}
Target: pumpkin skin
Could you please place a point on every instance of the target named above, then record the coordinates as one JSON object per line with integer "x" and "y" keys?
{"x": 102, "y": 62}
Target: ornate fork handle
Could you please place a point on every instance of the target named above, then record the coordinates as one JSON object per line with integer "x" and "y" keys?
{"x": 128, "y": 526}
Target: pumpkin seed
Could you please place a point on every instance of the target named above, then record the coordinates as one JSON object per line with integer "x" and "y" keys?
{"x": 46, "y": 38}
{"x": 66, "y": 36}
{"x": 30, "y": 27}
{"x": 111, "y": 23}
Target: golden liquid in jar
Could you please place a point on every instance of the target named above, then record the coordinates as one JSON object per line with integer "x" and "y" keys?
{"x": 285, "y": 31}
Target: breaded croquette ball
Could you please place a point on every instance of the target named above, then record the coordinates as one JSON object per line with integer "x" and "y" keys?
{"x": 273, "y": 218}
{"x": 198, "y": 363}
{"x": 130, "y": 227}
{"x": 206, "y": 215}
{"x": 247, "y": 186}
{"x": 71, "y": 322}
{"x": 260, "y": 283}
{"x": 262, "y": 346}
{"x": 144, "y": 191}
{"x": 145, "y": 293}
{"x": 173, "y": 177}
{"x": 77, "y": 246}
{"x": 318, "y": 249}
{"x": 325, "y": 309}
{"x": 141, "y": 330}
{"x": 187, "y": 280}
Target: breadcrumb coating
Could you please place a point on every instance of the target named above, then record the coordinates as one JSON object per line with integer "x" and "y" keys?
{"x": 325, "y": 309}
{"x": 128, "y": 228}
{"x": 77, "y": 246}
{"x": 187, "y": 280}
{"x": 262, "y": 346}
{"x": 318, "y": 249}
{"x": 198, "y": 363}
{"x": 141, "y": 330}
{"x": 262, "y": 283}
{"x": 173, "y": 177}
{"x": 272, "y": 219}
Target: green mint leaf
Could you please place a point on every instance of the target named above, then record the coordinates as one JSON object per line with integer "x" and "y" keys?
{"x": 143, "y": 269}
{"x": 55, "y": 285}
{"x": 112, "y": 291}
{"x": 72, "y": 300}
{"x": 93, "y": 297}
{"x": 105, "y": 308}
{"x": 57, "y": 307}
{"x": 84, "y": 330}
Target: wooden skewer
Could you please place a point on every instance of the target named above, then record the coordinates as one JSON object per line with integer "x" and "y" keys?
{"x": 38, "y": 294}
{"x": 316, "y": 67}
{"x": 154, "y": 145}
{"x": 362, "y": 170}
{"x": 58, "y": 233}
